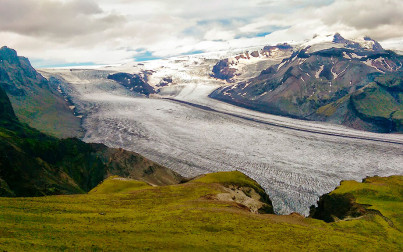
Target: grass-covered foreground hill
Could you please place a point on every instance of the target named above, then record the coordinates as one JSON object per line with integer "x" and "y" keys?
{"x": 216, "y": 212}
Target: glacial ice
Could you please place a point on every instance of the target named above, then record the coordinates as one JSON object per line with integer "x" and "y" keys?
{"x": 295, "y": 167}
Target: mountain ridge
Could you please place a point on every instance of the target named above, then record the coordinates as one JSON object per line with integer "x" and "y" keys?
{"x": 302, "y": 84}
{"x": 35, "y": 100}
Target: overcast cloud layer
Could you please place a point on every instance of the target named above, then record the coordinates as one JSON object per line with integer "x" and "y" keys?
{"x": 53, "y": 32}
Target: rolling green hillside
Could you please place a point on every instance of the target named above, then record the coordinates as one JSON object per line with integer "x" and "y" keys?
{"x": 126, "y": 215}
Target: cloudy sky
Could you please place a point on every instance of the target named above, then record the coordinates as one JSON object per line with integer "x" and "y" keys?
{"x": 68, "y": 32}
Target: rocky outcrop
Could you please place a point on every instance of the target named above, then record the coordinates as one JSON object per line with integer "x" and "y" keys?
{"x": 6, "y": 110}
{"x": 333, "y": 207}
{"x": 133, "y": 82}
{"x": 222, "y": 70}
{"x": 248, "y": 197}
{"x": 230, "y": 69}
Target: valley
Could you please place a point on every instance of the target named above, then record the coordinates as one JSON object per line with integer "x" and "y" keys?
{"x": 295, "y": 161}
{"x": 201, "y": 125}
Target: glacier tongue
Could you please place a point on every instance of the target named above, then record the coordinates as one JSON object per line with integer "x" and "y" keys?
{"x": 295, "y": 161}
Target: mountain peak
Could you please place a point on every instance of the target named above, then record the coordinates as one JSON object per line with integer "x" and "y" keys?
{"x": 337, "y": 38}
{"x": 8, "y": 54}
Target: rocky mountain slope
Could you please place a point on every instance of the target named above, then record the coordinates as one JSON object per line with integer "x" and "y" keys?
{"x": 250, "y": 64}
{"x": 34, "y": 164}
{"x": 36, "y": 101}
{"x": 329, "y": 81}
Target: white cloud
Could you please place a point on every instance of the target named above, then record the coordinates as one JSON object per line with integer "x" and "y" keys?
{"x": 107, "y": 31}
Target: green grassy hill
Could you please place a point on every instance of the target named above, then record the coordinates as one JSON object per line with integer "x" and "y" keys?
{"x": 125, "y": 215}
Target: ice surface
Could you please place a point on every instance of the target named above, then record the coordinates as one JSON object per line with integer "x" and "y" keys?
{"x": 295, "y": 161}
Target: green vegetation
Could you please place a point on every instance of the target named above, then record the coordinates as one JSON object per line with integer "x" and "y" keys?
{"x": 35, "y": 164}
{"x": 47, "y": 111}
{"x": 235, "y": 178}
{"x": 331, "y": 108}
{"x": 36, "y": 101}
{"x": 374, "y": 101}
{"x": 187, "y": 217}
{"x": 115, "y": 184}
{"x": 381, "y": 194}
{"x": 379, "y": 104}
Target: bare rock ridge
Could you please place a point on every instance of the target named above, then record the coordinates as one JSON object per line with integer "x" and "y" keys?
{"x": 227, "y": 69}
{"x": 133, "y": 82}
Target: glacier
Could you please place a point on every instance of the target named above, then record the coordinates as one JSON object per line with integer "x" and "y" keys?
{"x": 183, "y": 129}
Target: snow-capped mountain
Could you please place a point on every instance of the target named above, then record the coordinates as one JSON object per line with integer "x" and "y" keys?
{"x": 316, "y": 80}
{"x": 322, "y": 80}
{"x": 250, "y": 63}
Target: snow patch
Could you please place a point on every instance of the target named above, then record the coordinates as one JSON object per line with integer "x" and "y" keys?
{"x": 370, "y": 63}
{"x": 319, "y": 71}
{"x": 346, "y": 56}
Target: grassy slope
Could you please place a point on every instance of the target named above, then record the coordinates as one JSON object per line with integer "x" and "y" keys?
{"x": 178, "y": 217}
{"x": 379, "y": 103}
{"x": 382, "y": 194}
{"x": 34, "y": 101}
{"x": 374, "y": 101}
{"x": 115, "y": 184}
{"x": 48, "y": 112}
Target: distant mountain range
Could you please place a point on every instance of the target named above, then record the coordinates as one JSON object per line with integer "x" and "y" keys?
{"x": 357, "y": 84}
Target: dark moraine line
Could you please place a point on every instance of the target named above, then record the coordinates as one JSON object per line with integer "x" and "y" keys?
{"x": 285, "y": 126}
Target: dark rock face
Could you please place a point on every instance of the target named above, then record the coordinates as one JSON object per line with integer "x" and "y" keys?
{"x": 133, "y": 82}
{"x": 6, "y": 110}
{"x": 376, "y": 46}
{"x": 165, "y": 82}
{"x": 283, "y": 46}
{"x": 337, "y": 38}
{"x": 255, "y": 54}
{"x": 323, "y": 85}
{"x": 16, "y": 73}
{"x": 338, "y": 206}
{"x": 8, "y": 54}
{"x": 349, "y": 44}
{"x": 223, "y": 71}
